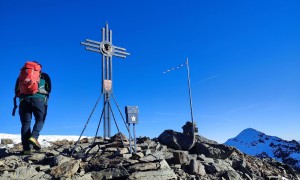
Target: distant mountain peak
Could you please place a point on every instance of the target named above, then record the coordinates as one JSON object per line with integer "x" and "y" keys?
{"x": 247, "y": 137}
{"x": 251, "y": 132}
{"x": 256, "y": 143}
{"x": 250, "y": 129}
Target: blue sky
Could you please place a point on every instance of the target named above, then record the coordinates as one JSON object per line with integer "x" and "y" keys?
{"x": 244, "y": 61}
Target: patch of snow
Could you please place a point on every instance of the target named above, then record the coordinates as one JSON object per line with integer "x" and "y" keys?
{"x": 44, "y": 140}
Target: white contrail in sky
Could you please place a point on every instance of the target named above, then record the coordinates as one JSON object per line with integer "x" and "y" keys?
{"x": 207, "y": 79}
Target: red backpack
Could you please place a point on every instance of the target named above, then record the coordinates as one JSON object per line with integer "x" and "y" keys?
{"x": 29, "y": 78}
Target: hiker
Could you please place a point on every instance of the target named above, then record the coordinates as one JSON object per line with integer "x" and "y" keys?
{"x": 32, "y": 88}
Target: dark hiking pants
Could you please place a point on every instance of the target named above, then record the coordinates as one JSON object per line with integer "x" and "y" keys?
{"x": 38, "y": 108}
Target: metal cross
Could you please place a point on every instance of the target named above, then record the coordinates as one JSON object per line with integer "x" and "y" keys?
{"x": 107, "y": 49}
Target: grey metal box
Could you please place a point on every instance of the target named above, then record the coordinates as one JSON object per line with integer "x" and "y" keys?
{"x": 131, "y": 114}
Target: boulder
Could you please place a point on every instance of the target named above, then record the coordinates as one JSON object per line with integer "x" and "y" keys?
{"x": 196, "y": 168}
{"x": 6, "y": 141}
{"x": 188, "y": 128}
{"x": 181, "y": 157}
{"x": 66, "y": 169}
{"x": 176, "y": 140}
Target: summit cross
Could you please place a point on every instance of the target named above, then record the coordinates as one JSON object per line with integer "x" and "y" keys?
{"x": 108, "y": 50}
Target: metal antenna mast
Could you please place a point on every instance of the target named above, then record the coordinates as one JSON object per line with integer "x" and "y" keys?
{"x": 190, "y": 94}
{"x": 108, "y": 50}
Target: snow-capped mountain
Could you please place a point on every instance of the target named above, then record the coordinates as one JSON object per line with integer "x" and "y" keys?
{"x": 255, "y": 143}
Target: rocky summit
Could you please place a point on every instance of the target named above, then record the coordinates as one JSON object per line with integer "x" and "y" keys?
{"x": 173, "y": 155}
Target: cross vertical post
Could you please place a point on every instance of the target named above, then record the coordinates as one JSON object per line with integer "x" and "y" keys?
{"x": 108, "y": 50}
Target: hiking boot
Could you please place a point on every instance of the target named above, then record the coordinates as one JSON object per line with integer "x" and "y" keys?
{"x": 35, "y": 143}
{"x": 28, "y": 152}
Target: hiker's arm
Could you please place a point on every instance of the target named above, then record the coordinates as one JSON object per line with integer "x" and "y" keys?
{"x": 17, "y": 87}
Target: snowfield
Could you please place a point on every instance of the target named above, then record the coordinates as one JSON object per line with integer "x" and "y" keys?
{"x": 44, "y": 140}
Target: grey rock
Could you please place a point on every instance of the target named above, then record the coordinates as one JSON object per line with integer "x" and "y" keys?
{"x": 140, "y": 154}
{"x": 53, "y": 153}
{"x": 37, "y": 157}
{"x": 119, "y": 137}
{"x": 222, "y": 165}
{"x": 196, "y": 168}
{"x": 99, "y": 163}
{"x": 231, "y": 175}
{"x": 122, "y": 151}
{"x": 181, "y": 157}
{"x": 217, "y": 151}
{"x": 147, "y": 152}
{"x": 226, "y": 151}
{"x": 110, "y": 173}
{"x": 163, "y": 174}
{"x": 189, "y": 128}
{"x": 111, "y": 149}
{"x": 6, "y": 141}
{"x": 129, "y": 162}
{"x": 152, "y": 144}
{"x": 126, "y": 156}
{"x": 87, "y": 176}
{"x": 10, "y": 163}
{"x": 176, "y": 140}
{"x": 157, "y": 156}
{"x": 201, "y": 148}
{"x": 43, "y": 168}
{"x": 168, "y": 155}
{"x": 60, "y": 159}
{"x": 144, "y": 167}
{"x": 66, "y": 169}
{"x": 210, "y": 168}
{"x": 164, "y": 165}
{"x": 23, "y": 172}
{"x": 144, "y": 146}
{"x": 92, "y": 150}
{"x": 202, "y": 139}
{"x": 138, "y": 148}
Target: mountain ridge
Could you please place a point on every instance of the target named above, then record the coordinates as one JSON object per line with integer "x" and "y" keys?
{"x": 173, "y": 155}
{"x": 256, "y": 143}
